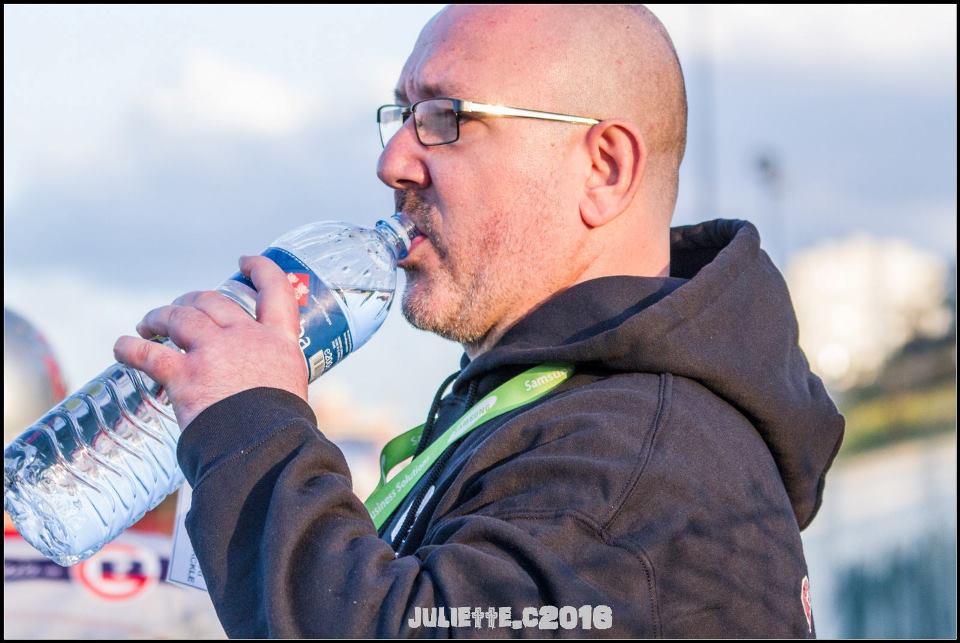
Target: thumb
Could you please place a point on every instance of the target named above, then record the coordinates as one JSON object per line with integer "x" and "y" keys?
{"x": 276, "y": 298}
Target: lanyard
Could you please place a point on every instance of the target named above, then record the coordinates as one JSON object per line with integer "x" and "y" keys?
{"x": 522, "y": 389}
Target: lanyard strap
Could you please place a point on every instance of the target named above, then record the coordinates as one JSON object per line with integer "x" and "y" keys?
{"x": 522, "y": 389}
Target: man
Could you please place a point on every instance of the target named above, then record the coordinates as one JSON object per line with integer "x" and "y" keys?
{"x": 666, "y": 481}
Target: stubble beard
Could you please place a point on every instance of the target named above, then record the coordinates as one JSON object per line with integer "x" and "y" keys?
{"x": 444, "y": 307}
{"x": 465, "y": 303}
{"x": 444, "y": 301}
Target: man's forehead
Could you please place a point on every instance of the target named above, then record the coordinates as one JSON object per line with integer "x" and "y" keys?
{"x": 437, "y": 71}
{"x": 450, "y": 59}
{"x": 457, "y": 72}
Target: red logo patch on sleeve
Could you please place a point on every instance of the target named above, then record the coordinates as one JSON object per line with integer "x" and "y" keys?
{"x": 805, "y": 599}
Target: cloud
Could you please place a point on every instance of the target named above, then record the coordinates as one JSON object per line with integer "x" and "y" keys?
{"x": 913, "y": 45}
{"x": 214, "y": 94}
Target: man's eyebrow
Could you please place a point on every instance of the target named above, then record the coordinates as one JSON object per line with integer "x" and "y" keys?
{"x": 428, "y": 91}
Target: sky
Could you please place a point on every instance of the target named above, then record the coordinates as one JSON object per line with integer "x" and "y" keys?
{"x": 146, "y": 148}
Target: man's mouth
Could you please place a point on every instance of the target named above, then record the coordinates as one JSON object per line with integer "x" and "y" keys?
{"x": 407, "y": 261}
{"x": 417, "y": 241}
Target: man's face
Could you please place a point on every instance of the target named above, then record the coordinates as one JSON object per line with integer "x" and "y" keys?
{"x": 495, "y": 205}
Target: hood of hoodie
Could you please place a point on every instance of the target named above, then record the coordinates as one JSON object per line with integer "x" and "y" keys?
{"x": 723, "y": 318}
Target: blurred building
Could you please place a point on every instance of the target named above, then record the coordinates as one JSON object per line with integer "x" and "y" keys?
{"x": 859, "y": 300}
{"x": 357, "y": 431}
{"x": 878, "y": 323}
{"x": 882, "y": 551}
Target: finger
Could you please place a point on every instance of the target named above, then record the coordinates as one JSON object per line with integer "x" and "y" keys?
{"x": 219, "y": 308}
{"x": 183, "y": 324}
{"x": 276, "y": 299}
{"x": 154, "y": 359}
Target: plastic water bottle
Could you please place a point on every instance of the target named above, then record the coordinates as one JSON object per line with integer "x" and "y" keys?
{"x": 98, "y": 461}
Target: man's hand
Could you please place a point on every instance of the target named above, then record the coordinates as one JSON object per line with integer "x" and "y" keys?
{"x": 226, "y": 350}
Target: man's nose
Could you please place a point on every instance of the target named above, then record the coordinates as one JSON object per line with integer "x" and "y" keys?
{"x": 402, "y": 164}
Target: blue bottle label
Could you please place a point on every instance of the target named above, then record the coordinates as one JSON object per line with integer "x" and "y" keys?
{"x": 325, "y": 336}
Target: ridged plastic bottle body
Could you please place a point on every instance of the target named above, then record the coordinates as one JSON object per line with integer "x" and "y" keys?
{"x": 92, "y": 466}
{"x": 102, "y": 458}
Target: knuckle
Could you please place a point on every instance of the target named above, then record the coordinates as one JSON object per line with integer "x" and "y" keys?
{"x": 208, "y": 296}
{"x": 180, "y": 316}
{"x": 186, "y": 298}
{"x": 151, "y": 318}
{"x": 270, "y": 267}
{"x": 143, "y": 354}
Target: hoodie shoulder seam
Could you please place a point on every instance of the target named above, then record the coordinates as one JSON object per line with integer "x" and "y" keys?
{"x": 659, "y": 419}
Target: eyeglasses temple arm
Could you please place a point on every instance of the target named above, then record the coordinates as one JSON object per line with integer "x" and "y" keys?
{"x": 501, "y": 110}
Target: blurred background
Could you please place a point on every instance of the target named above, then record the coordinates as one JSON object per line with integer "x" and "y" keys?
{"x": 146, "y": 148}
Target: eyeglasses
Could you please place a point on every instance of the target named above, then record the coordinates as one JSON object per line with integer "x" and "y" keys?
{"x": 437, "y": 120}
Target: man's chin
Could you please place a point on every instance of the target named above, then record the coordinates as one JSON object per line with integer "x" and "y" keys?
{"x": 420, "y": 309}
{"x": 415, "y": 303}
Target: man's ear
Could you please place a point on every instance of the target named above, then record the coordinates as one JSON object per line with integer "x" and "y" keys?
{"x": 618, "y": 157}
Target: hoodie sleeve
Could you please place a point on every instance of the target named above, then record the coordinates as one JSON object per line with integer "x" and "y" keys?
{"x": 288, "y": 550}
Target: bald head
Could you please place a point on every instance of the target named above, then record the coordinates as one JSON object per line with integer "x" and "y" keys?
{"x": 517, "y": 209}
{"x": 601, "y": 61}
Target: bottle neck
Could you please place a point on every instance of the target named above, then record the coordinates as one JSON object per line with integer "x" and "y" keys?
{"x": 398, "y": 232}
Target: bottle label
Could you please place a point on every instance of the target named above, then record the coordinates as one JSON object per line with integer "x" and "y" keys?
{"x": 325, "y": 336}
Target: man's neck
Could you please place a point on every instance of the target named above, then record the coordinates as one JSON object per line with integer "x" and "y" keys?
{"x": 493, "y": 336}
{"x": 499, "y": 329}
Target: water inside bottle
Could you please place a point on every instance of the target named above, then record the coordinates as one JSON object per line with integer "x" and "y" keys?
{"x": 366, "y": 308}
{"x": 93, "y": 465}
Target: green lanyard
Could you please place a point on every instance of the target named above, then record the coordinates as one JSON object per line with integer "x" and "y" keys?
{"x": 522, "y": 389}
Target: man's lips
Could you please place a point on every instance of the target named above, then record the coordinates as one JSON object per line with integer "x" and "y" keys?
{"x": 417, "y": 242}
